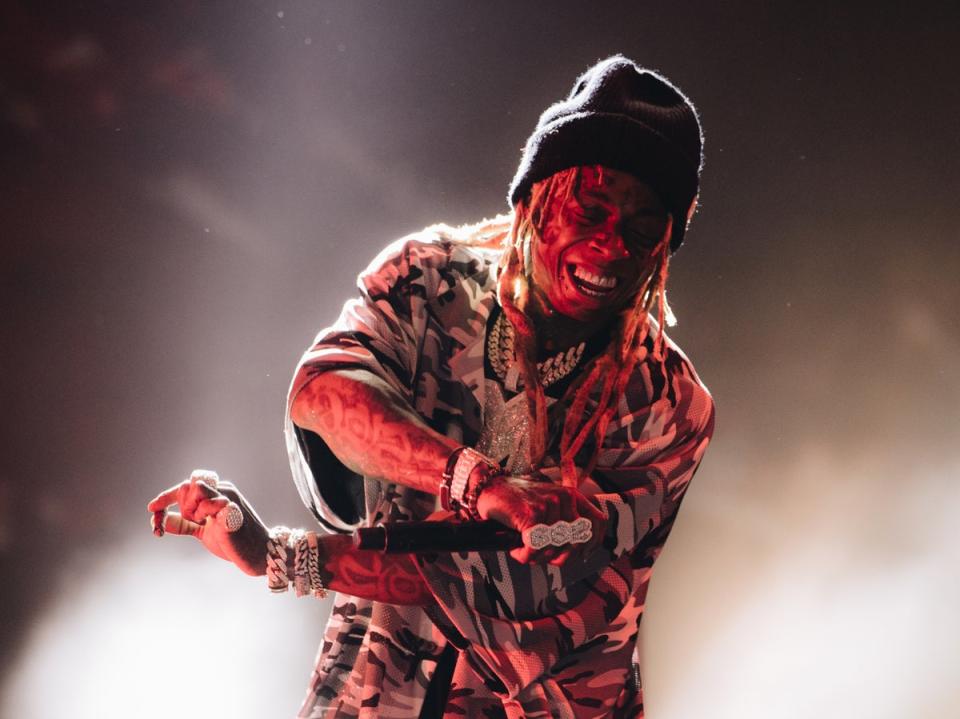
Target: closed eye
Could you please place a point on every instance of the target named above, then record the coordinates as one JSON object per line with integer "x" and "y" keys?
{"x": 588, "y": 215}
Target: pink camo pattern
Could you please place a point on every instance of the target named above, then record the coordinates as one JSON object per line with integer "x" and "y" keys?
{"x": 536, "y": 641}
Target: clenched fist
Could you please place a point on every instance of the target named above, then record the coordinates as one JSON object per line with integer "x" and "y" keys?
{"x": 522, "y": 503}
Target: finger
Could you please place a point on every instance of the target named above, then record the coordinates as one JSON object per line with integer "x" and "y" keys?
{"x": 230, "y": 518}
{"x": 522, "y": 554}
{"x": 233, "y": 494}
{"x": 165, "y": 498}
{"x": 175, "y": 524}
{"x": 561, "y": 558}
{"x": 598, "y": 520}
{"x": 532, "y": 554}
{"x": 209, "y": 508}
{"x": 206, "y": 476}
{"x": 156, "y": 522}
{"x": 191, "y": 495}
{"x": 548, "y": 556}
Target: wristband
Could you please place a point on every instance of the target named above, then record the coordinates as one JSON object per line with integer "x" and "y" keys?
{"x": 306, "y": 562}
{"x": 446, "y": 478}
{"x": 313, "y": 566}
{"x": 467, "y": 461}
{"x": 473, "y": 495}
{"x": 301, "y": 580}
{"x": 278, "y": 578}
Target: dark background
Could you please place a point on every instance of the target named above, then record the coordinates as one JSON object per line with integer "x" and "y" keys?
{"x": 188, "y": 190}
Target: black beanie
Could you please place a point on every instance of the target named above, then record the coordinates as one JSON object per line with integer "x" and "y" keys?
{"x": 627, "y": 118}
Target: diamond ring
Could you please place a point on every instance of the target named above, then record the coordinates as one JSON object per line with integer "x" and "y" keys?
{"x": 230, "y": 517}
{"x": 205, "y": 476}
{"x": 558, "y": 534}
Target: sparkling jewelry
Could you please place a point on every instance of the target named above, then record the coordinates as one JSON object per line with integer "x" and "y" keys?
{"x": 306, "y": 562}
{"x": 313, "y": 566}
{"x": 230, "y": 517}
{"x": 558, "y": 534}
{"x": 467, "y": 461}
{"x": 301, "y": 579}
{"x": 473, "y": 495}
{"x": 500, "y": 348}
{"x": 278, "y": 578}
{"x": 301, "y": 583}
{"x": 505, "y": 436}
{"x": 446, "y": 479}
{"x": 206, "y": 476}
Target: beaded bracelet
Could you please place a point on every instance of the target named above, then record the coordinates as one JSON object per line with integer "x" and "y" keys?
{"x": 470, "y": 502}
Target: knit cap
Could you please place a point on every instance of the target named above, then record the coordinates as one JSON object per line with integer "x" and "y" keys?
{"x": 624, "y": 117}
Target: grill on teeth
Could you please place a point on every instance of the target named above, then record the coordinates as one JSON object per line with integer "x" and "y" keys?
{"x": 607, "y": 281}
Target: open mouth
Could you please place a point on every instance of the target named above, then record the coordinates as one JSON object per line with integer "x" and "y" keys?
{"x": 591, "y": 284}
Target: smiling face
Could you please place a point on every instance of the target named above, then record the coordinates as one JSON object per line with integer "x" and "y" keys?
{"x": 597, "y": 248}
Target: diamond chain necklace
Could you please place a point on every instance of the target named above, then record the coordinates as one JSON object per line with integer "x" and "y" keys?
{"x": 500, "y": 348}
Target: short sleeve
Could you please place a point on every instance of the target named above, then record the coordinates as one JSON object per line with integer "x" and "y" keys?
{"x": 378, "y": 331}
{"x": 642, "y": 478}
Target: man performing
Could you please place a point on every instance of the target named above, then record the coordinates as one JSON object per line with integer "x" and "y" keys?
{"x": 509, "y": 371}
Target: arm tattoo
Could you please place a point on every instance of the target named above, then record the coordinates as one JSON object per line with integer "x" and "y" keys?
{"x": 372, "y": 429}
{"x": 390, "y": 578}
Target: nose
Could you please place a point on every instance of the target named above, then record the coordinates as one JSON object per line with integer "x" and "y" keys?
{"x": 607, "y": 241}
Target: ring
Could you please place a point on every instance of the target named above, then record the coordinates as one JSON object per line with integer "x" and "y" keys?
{"x": 558, "y": 534}
{"x": 230, "y": 517}
{"x": 206, "y": 476}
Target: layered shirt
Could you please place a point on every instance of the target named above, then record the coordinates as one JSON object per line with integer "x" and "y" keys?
{"x": 532, "y": 640}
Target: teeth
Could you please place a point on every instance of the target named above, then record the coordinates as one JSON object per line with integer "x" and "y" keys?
{"x": 607, "y": 281}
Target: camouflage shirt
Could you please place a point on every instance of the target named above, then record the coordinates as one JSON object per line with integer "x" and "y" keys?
{"x": 534, "y": 640}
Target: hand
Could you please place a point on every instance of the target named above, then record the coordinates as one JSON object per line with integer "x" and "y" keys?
{"x": 523, "y": 502}
{"x": 203, "y": 514}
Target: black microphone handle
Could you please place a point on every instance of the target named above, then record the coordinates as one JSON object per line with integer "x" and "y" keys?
{"x": 438, "y": 537}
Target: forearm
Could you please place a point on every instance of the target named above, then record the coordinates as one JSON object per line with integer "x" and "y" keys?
{"x": 390, "y": 578}
{"x": 372, "y": 429}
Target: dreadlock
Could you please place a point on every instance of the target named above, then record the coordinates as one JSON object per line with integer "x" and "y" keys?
{"x": 611, "y": 370}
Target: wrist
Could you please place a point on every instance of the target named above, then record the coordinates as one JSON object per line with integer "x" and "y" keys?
{"x": 466, "y": 474}
{"x": 482, "y": 478}
{"x": 293, "y": 557}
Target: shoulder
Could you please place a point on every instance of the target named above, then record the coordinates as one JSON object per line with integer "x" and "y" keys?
{"x": 426, "y": 264}
{"x": 686, "y": 392}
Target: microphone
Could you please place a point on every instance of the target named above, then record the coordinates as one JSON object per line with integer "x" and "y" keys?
{"x": 438, "y": 537}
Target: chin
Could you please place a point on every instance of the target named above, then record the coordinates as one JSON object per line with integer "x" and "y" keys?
{"x": 587, "y": 313}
